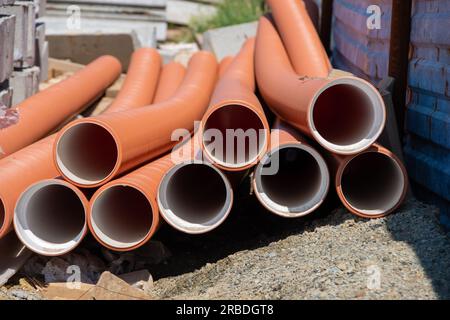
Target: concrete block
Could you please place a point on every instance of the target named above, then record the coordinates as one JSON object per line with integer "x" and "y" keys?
{"x": 83, "y": 48}
{"x": 182, "y": 12}
{"x": 6, "y": 97}
{"x": 25, "y": 83}
{"x": 42, "y": 51}
{"x": 7, "y": 26}
{"x": 229, "y": 40}
{"x": 24, "y": 35}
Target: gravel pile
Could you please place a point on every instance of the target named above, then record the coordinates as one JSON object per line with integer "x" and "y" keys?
{"x": 404, "y": 256}
{"x": 256, "y": 255}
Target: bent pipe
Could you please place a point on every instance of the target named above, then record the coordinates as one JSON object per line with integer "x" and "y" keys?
{"x": 91, "y": 152}
{"x": 35, "y": 162}
{"x": 292, "y": 180}
{"x": 140, "y": 83}
{"x": 344, "y": 115}
{"x": 41, "y": 113}
{"x": 50, "y": 217}
{"x": 234, "y": 106}
{"x": 303, "y": 45}
{"x": 371, "y": 184}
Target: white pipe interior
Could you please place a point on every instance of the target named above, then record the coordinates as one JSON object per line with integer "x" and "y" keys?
{"x": 50, "y": 218}
{"x": 373, "y": 183}
{"x": 235, "y": 117}
{"x": 121, "y": 216}
{"x": 195, "y": 198}
{"x": 299, "y": 185}
{"x": 87, "y": 153}
{"x": 347, "y": 116}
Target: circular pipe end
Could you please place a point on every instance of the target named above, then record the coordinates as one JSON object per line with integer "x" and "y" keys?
{"x": 372, "y": 184}
{"x": 195, "y": 198}
{"x": 234, "y": 137}
{"x": 87, "y": 153}
{"x": 292, "y": 180}
{"x": 347, "y": 116}
{"x": 50, "y": 217}
{"x": 122, "y": 218}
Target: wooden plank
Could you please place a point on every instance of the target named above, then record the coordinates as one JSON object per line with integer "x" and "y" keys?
{"x": 398, "y": 55}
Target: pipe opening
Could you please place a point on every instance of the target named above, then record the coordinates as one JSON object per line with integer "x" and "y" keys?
{"x": 347, "y": 116}
{"x": 299, "y": 185}
{"x": 50, "y": 218}
{"x": 195, "y": 198}
{"x": 373, "y": 183}
{"x": 243, "y": 144}
{"x": 87, "y": 153}
{"x": 121, "y": 216}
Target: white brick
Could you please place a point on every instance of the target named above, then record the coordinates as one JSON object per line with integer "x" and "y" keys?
{"x": 7, "y": 26}
{"x": 25, "y": 83}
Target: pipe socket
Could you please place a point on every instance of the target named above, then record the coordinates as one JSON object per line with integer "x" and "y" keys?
{"x": 291, "y": 180}
{"x": 50, "y": 217}
{"x": 195, "y": 198}
{"x": 347, "y": 115}
{"x": 234, "y": 136}
{"x": 372, "y": 184}
{"x": 87, "y": 153}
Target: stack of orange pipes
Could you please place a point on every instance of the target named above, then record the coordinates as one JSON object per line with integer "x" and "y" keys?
{"x": 142, "y": 174}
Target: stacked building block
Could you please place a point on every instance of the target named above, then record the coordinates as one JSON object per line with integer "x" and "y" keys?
{"x": 24, "y": 60}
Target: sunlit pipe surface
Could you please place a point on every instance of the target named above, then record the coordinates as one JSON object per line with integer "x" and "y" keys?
{"x": 41, "y": 113}
{"x": 292, "y": 180}
{"x": 50, "y": 217}
{"x": 91, "y": 152}
{"x": 224, "y": 64}
{"x": 140, "y": 82}
{"x": 234, "y": 106}
{"x": 35, "y": 162}
{"x": 344, "y": 115}
{"x": 300, "y": 38}
{"x": 371, "y": 184}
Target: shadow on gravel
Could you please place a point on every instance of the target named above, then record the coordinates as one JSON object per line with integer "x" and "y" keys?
{"x": 248, "y": 227}
{"x": 419, "y": 227}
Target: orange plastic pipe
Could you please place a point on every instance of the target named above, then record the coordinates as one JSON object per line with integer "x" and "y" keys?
{"x": 224, "y": 64}
{"x": 140, "y": 83}
{"x": 91, "y": 152}
{"x": 298, "y": 32}
{"x": 371, "y": 184}
{"x": 234, "y": 106}
{"x": 292, "y": 180}
{"x": 344, "y": 115}
{"x": 35, "y": 162}
{"x": 38, "y": 115}
{"x": 172, "y": 76}
{"x": 50, "y": 217}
